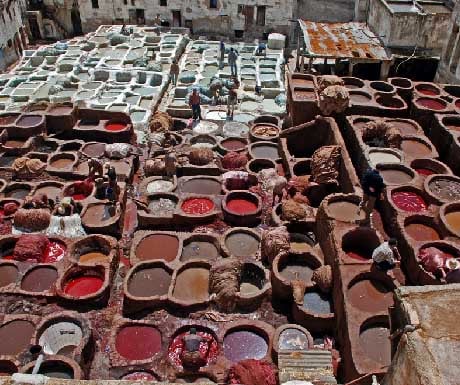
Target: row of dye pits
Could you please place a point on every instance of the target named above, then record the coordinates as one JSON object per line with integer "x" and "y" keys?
{"x": 44, "y": 277}
{"x": 62, "y": 337}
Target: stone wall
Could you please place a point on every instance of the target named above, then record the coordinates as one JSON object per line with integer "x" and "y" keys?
{"x": 328, "y": 11}
{"x": 12, "y": 42}
{"x": 448, "y": 70}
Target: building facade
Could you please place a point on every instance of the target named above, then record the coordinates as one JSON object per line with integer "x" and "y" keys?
{"x": 449, "y": 69}
{"x": 13, "y": 36}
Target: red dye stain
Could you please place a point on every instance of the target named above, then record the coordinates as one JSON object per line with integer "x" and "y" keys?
{"x": 54, "y": 252}
{"x": 424, "y": 171}
{"x": 408, "y": 201}
{"x": 427, "y": 91}
{"x": 139, "y": 376}
{"x": 83, "y": 286}
{"x": 208, "y": 348}
{"x": 432, "y": 104}
{"x": 78, "y": 197}
{"x": 197, "y": 206}
{"x": 81, "y": 190}
{"x": 457, "y": 104}
{"x": 241, "y": 206}
{"x": 115, "y": 126}
{"x": 2, "y": 212}
{"x": 356, "y": 256}
{"x": 138, "y": 342}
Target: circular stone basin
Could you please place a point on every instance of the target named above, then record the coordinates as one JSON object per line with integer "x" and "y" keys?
{"x": 390, "y": 102}
{"x": 376, "y": 344}
{"x": 359, "y": 97}
{"x": 79, "y": 191}
{"x": 242, "y": 244}
{"x": 393, "y": 176}
{"x": 370, "y": 296}
{"x": 29, "y": 120}
{"x": 208, "y": 351}
{"x": 52, "y": 191}
{"x": 316, "y": 302}
{"x": 160, "y": 186}
{"x": 54, "y": 252}
{"x": 8, "y": 274}
{"x": 453, "y": 221}
{"x": 83, "y": 285}
{"x": 265, "y": 131}
{"x": 197, "y": 206}
{"x": 192, "y": 284}
{"x": 94, "y": 150}
{"x": 295, "y": 267}
{"x": 241, "y": 206}
{"x": 94, "y": 256}
{"x": 149, "y": 282}
{"x": 206, "y": 186}
{"x": 304, "y": 94}
{"x": 233, "y": 144}
{"x": 15, "y": 336}
{"x": 445, "y": 189}
{"x": 427, "y": 89}
{"x": 422, "y": 232}
{"x": 14, "y": 143}
{"x": 97, "y": 214}
{"x": 56, "y": 342}
{"x": 7, "y": 119}
{"x": 139, "y": 376}
{"x": 265, "y": 151}
{"x": 199, "y": 250}
{"x": 60, "y": 161}
{"x": 243, "y": 345}
{"x": 360, "y": 243}
{"x": 232, "y": 129}
{"x": 257, "y": 165}
{"x": 408, "y": 201}
{"x": 381, "y": 86}
{"x": 401, "y": 83}
{"x": 158, "y": 246}
{"x": 451, "y": 123}
{"x": 380, "y": 156}
{"x": 352, "y": 83}
{"x": 56, "y": 369}
{"x": 415, "y": 148}
{"x": 39, "y": 279}
{"x": 135, "y": 342}
{"x": 432, "y": 104}
{"x": 293, "y": 339}
{"x": 18, "y": 192}
{"x": 405, "y": 127}
{"x": 345, "y": 211}
{"x": 162, "y": 207}
{"x": 7, "y": 368}
{"x": 115, "y": 126}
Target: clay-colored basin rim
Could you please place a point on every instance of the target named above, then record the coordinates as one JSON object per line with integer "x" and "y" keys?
{"x": 398, "y": 83}
{"x": 80, "y": 271}
{"x": 245, "y": 195}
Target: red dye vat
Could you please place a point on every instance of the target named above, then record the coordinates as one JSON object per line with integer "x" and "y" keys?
{"x": 408, "y": 201}
{"x": 80, "y": 190}
{"x": 457, "y": 104}
{"x": 424, "y": 171}
{"x": 54, "y": 252}
{"x": 432, "y": 104}
{"x": 427, "y": 91}
{"x": 138, "y": 342}
{"x": 115, "y": 126}
{"x": 197, "y": 206}
{"x": 208, "y": 348}
{"x": 241, "y": 206}
{"x": 357, "y": 256}
{"x": 83, "y": 286}
{"x": 139, "y": 376}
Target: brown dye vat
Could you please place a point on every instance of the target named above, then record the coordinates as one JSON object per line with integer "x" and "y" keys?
{"x": 150, "y": 282}
{"x": 302, "y": 82}
{"x": 445, "y": 189}
{"x": 421, "y": 232}
{"x": 158, "y": 246}
{"x": 121, "y": 167}
{"x": 293, "y": 339}
{"x": 7, "y": 119}
{"x": 453, "y": 220}
{"x": 39, "y": 279}
{"x": 15, "y": 336}
{"x": 300, "y": 94}
{"x": 61, "y": 110}
{"x": 94, "y": 257}
{"x": 370, "y": 296}
{"x": 390, "y": 102}
{"x": 62, "y": 163}
{"x": 316, "y": 302}
{"x": 52, "y": 192}
{"x": 233, "y": 144}
{"x": 265, "y": 151}
{"x": 414, "y": 148}
{"x": 241, "y": 244}
{"x": 94, "y": 150}
{"x": 8, "y": 274}
{"x": 199, "y": 250}
{"x": 202, "y": 186}
{"x": 376, "y": 343}
{"x": 244, "y": 344}
{"x": 345, "y": 211}
{"x": 97, "y": 214}
{"x": 406, "y": 128}
{"x": 56, "y": 369}
{"x": 18, "y": 193}
{"x": 395, "y": 176}
{"x": 360, "y": 97}
{"x": 295, "y": 267}
{"x": 192, "y": 284}
{"x": 252, "y": 280}
{"x": 29, "y": 120}
{"x": 14, "y": 143}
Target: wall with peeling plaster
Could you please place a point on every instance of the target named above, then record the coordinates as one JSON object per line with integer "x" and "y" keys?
{"x": 328, "y": 11}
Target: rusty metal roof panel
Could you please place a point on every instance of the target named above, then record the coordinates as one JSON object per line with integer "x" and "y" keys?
{"x": 342, "y": 41}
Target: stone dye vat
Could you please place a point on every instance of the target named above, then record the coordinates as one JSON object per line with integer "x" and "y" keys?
{"x": 138, "y": 342}
{"x": 242, "y": 344}
{"x": 16, "y": 336}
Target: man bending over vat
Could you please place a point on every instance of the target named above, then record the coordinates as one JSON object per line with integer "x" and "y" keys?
{"x": 386, "y": 255}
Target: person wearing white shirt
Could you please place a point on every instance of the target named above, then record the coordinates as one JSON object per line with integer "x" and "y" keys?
{"x": 386, "y": 255}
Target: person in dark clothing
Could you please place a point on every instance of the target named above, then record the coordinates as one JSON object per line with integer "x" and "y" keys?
{"x": 373, "y": 185}
{"x": 191, "y": 356}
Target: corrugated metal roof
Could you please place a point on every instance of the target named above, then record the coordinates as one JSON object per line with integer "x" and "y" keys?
{"x": 342, "y": 41}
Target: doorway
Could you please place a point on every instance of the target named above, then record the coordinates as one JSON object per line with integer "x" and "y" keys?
{"x": 140, "y": 16}
{"x": 76, "y": 21}
{"x": 248, "y": 16}
{"x": 176, "y": 19}
{"x": 34, "y": 28}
